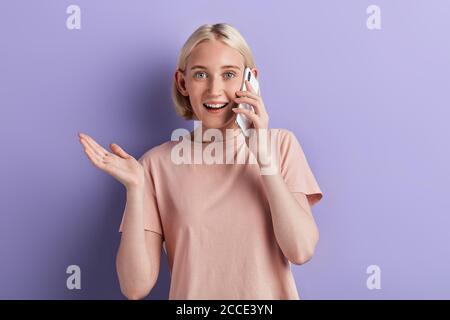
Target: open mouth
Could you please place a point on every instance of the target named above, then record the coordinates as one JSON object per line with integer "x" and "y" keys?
{"x": 214, "y": 106}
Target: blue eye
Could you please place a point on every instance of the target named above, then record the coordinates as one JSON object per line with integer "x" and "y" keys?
{"x": 233, "y": 75}
{"x": 198, "y": 73}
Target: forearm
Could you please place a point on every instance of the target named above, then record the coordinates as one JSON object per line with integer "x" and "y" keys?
{"x": 294, "y": 227}
{"x": 133, "y": 263}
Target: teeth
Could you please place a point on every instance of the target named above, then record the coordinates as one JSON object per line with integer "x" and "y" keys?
{"x": 215, "y": 106}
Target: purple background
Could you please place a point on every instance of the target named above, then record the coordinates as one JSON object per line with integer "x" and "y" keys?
{"x": 370, "y": 109}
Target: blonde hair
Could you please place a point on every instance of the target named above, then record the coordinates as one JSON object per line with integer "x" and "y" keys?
{"x": 207, "y": 32}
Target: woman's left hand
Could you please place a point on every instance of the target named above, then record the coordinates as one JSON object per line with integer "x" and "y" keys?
{"x": 260, "y": 121}
{"x": 259, "y": 118}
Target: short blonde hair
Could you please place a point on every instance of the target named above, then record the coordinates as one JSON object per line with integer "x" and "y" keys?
{"x": 207, "y": 32}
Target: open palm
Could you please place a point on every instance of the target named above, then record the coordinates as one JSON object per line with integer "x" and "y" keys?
{"x": 119, "y": 164}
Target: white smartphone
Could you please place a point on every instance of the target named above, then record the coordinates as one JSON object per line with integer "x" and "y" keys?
{"x": 243, "y": 122}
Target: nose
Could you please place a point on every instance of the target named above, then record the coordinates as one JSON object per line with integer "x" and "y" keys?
{"x": 215, "y": 86}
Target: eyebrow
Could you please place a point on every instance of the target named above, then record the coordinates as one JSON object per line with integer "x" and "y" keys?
{"x": 223, "y": 67}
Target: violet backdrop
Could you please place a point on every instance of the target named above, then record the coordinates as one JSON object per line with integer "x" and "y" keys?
{"x": 369, "y": 107}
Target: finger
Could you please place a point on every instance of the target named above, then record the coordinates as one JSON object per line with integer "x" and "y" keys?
{"x": 105, "y": 164}
{"x": 248, "y": 94}
{"x": 94, "y": 158}
{"x": 258, "y": 102}
{"x": 98, "y": 148}
{"x": 119, "y": 151}
{"x": 249, "y": 87}
{"x": 251, "y": 115}
{"x": 88, "y": 144}
{"x": 251, "y": 102}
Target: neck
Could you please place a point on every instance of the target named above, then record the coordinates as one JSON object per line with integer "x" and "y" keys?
{"x": 233, "y": 130}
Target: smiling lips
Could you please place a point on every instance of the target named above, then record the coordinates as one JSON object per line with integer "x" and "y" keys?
{"x": 215, "y": 106}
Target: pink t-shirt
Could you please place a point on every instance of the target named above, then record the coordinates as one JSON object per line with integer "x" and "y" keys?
{"x": 216, "y": 224}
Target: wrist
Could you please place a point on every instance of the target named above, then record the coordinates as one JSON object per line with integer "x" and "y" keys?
{"x": 135, "y": 188}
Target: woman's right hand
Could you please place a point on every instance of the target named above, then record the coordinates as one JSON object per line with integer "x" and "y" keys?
{"x": 119, "y": 164}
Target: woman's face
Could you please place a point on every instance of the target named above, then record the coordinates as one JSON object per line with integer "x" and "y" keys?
{"x": 214, "y": 73}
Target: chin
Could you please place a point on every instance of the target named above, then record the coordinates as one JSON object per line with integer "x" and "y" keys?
{"x": 219, "y": 124}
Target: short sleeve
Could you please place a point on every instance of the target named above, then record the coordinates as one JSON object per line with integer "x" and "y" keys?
{"x": 152, "y": 219}
{"x": 295, "y": 169}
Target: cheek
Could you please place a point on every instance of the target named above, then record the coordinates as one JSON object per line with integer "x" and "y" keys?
{"x": 231, "y": 91}
{"x": 195, "y": 91}
{"x": 234, "y": 86}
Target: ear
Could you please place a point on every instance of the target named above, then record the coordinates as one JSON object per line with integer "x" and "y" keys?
{"x": 255, "y": 72}
{"x": 181, "y": 83}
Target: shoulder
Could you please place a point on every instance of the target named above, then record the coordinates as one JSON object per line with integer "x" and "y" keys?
{"x": 288, "y": 144}
{"x": 158, "y": 153}
{"x": 281, "y": 132}
{"x": 284, "y": 133}
{"x": 284, "y": 137}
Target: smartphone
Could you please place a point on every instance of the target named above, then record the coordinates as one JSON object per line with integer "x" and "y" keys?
{"x": 243, "y": 122}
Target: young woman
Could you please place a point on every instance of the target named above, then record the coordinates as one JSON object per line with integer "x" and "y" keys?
{"x": 230, "y": 231}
